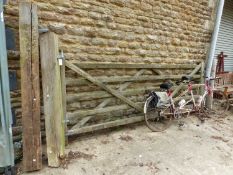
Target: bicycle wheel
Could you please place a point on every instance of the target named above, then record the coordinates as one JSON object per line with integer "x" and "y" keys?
{"x": 220, "y": 104}
{"x": 153, "y": 118}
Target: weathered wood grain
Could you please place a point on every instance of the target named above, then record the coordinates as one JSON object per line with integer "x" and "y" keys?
{"x": 52, "y": 97}
{"x": 63, "y": 89}
{"x": 100, "y": 84}
{"x": 110, "y": 65}
{"x": 100, "y": 126}
{"x": 103, "y": 94}
{"x": 30, "y": 87}
{"x": 106, "y": 101}
{"x": 114, "y": 79}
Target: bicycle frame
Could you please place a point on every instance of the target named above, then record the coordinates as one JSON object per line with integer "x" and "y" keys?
{"x": 180, "y": 109}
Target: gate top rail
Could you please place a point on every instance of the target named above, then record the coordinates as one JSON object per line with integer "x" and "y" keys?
{"x": 110, "y": 65}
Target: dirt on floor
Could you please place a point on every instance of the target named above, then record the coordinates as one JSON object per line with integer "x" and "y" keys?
{"x": 195, "y": 149}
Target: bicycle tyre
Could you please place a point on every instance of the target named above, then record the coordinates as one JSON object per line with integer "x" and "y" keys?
{"x": 154, "y": 121}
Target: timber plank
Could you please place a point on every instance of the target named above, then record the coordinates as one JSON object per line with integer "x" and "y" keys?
{"x": 103, "y": 94}
{"x": 107, "y": 101}
{"x": 84, "y": 96}
{"x": 114, "y": 79}
{"x": 110, "y": 65}
{"x": 100, "y": 84}
{"x": 73, "y": 117}
{"x": 63, "y": 89}
{"x": 96, "y": 127}
{"x": 52, "y": 97}
{"x": 30, "y": 87}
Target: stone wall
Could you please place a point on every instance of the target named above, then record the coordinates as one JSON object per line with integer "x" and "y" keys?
{"x": 174, "y": 31}
{"x": 149, "y": 31}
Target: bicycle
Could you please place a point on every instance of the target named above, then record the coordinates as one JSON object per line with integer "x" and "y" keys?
{"x": 160, "y": 107}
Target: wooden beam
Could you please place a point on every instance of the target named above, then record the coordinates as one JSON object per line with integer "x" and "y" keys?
{"x": 81, "y": 122}
{"x": 84, "y": 96}
{"x": 103, "y": 94}
{"x": 75, "y": 116}
{"x": 96, "y": 127}
{"x": 114, "y": 79}
{"x": 63, "y": 89}
{"x": 110, "y": 65}
{"x": 30, "y": 87}
{"x": 106, "y": 101}
{"x": 100, "y": 84}
{"x": 52, "y": 97}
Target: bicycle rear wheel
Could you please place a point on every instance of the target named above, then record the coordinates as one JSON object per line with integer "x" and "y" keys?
{"x": 154, "y": 120}
{"x": 220, "y": 103}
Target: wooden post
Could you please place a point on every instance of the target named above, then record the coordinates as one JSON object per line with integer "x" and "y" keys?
{"x": 63, "y": 89}
{"x": 102, "y": 85}
{"x": 52, "y": 97}
{"x": 30, "y": 86}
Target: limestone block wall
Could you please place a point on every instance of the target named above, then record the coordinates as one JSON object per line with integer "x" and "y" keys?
{"x": 139, "y": 31}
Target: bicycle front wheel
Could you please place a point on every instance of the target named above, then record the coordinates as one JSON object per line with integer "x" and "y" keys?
{"x": 154, "y": 120}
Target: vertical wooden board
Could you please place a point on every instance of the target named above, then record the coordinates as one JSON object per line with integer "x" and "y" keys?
{"x": 52, "y": 97}
{"x": 63, "y": 89}
{"x": 30, "y": 89}
{"x": 36, "y": 87}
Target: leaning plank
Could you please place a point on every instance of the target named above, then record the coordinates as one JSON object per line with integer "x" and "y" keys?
{"x": 110, "y": 65}
{"x": 197, "y": 68}
{"x": 105, "y": 125}
{"x": 100, "y": 84}
{"x": 52, "y": 96}
{"x": 114, "y": 79}
{"x": 30, "y": 87}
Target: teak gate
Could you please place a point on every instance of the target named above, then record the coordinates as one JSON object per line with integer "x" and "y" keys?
{"x": 78, "y": 120}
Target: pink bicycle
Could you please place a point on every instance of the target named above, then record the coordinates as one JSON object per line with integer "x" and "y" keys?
{"x": 160, "y": 107}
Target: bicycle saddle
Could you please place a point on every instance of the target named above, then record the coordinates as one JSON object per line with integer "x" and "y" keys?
{"x": 166, "y": 86}
{"x": 186, "y": 78}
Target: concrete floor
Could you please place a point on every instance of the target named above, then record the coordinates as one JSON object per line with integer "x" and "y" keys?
{"x": 205, "y": 149}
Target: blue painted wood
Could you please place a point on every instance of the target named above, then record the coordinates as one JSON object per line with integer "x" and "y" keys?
{"x": 10, "y": 39}
{"x": 6, "y": 142}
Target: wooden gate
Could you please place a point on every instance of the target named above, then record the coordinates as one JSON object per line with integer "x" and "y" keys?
{"x": 128, "y": 91}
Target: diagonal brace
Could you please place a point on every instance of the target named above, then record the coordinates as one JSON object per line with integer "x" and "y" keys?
{"x": 100, "y": 84}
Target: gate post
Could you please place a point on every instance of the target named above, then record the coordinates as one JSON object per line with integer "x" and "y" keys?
{"x": 52, "y": 97}
{"x": 30, "y": 86}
